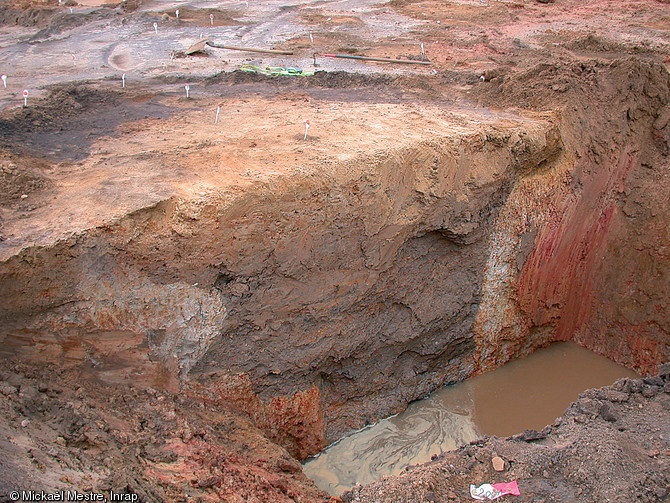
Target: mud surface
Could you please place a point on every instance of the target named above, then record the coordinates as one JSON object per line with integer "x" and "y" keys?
{"x": 436, "y": 222}
{"x": 527, "y": 393}
{"x": 623, "y": 426}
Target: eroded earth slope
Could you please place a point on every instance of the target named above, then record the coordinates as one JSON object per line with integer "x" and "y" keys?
{"x": 247, "y": 293}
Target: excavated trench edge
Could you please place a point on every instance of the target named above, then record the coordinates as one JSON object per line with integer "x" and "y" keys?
{"x": 578, "y": 216}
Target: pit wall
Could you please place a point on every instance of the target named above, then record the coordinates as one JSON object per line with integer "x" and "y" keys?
{"x": 581, "y": 251}
{"x": 320, "y": 303}
{"x": 316, "y": 303}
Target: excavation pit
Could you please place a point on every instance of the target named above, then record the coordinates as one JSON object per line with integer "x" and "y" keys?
{"x": 525, "y": 394}
{"x": 196, "y": 293}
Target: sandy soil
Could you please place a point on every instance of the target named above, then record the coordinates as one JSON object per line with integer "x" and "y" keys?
{"x": 124, "y": 165}
{"x": 73, "y": 134}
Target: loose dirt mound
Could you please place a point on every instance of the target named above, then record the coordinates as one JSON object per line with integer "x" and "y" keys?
{"x": 27, "y": 17}
{"x": 51, "y": 113}
{"x": 65, "y": 124}
{"x": 57, "y": 435}
{"x": 20, "y": 177}
{"x": 319, "y": 79}
{"x": 62, "y": 21}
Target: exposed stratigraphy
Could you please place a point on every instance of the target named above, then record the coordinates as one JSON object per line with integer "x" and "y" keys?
{"x": 312, "y": 285}
{"x": 581, "y": 251}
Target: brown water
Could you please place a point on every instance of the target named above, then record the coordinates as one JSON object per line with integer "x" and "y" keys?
{"x": 524, "y": 394}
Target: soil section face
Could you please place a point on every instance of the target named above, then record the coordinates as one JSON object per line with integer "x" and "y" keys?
{"x": 335, "y": 244}
{"x": 437, "y": 221}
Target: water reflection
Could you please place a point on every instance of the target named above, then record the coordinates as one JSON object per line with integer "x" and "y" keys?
{"x": 526, "y": 393}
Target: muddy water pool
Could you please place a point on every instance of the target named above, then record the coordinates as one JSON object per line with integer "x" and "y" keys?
{"x": 524, "y": 394}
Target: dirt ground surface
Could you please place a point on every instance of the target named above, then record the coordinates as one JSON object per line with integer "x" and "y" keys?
{"x": 65, "y": 430}
{"x": 196, "y": 292}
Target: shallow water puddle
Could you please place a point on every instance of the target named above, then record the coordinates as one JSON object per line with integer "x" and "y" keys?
{"x": 524, "y": 394}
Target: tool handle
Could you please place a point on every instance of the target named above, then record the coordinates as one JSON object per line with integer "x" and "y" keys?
{"x": 248, "y": 49}
{"x": 383, "y": 60}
